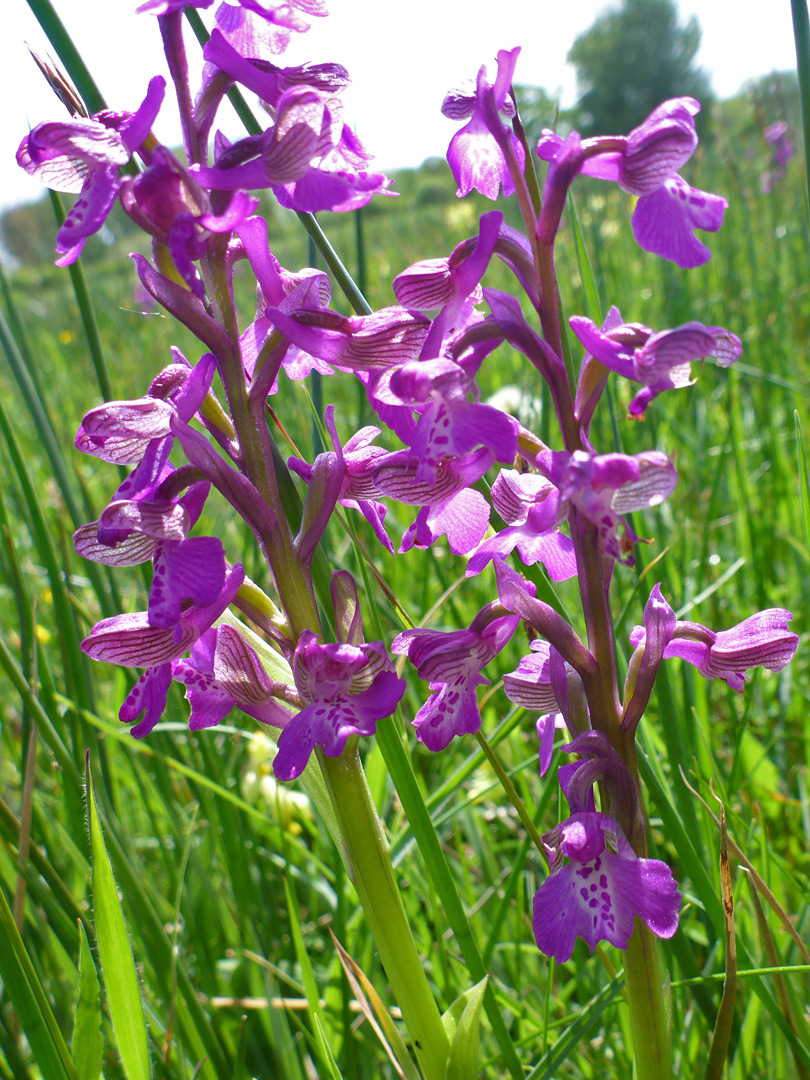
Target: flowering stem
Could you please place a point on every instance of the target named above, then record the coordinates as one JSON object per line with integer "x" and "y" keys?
{"x": 642, "y": 973}
{"x": 366, "y": 857}
{"x": 511, "y": 791}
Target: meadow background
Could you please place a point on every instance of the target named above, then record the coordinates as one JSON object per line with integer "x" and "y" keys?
{"x": 229, "y": 888}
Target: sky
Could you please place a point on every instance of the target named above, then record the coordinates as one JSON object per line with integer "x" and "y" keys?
{"x": 402, "y": 58}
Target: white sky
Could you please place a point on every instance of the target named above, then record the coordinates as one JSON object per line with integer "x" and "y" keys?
{"x": 402, "y": 57}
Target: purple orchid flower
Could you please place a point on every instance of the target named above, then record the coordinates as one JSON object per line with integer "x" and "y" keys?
{"x": 168, "y": 204}
{"x": 310, "y": 159}
{"x": 530, "y": 505}
{"x": 475, "y": 154}
{"x": 449, "y": 505}
{"x": 382, "y": 339}
{"x": 83, "y": 155}
{"x": 264, "y": 79}
{"x": 605, "y": 486}
{"x": 185, "y": 568}
{"x": 429, "y": 284}
{"x": 659, "y": 626}
{"x": 224, "y": 672}
{"x": 357, "y": 489}
{"x": 777, "y": 136}
{"x": 131, "y": 641}
{"x": 762, "y": 640}
{"x": 544, "y": 682}
{"x": 167, "y": 7}
{"x": 255, "y": 27}
{"x": 661, "y": 361}
{"x": 532, "y": 687}
{"x": 289, "y": 292}
{"x": 452, "y": 663}
{"x": 646, "y": 163}
{"x": 121, "y": 431}
{"x": 449, "y": 425}
{"x": 603, "y": 888}
{"x": 348, "y": 688}
{"x": 250, "y": 25}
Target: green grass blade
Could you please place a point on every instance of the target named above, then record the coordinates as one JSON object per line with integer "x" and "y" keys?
{"x": 307, "y": 973}
{"x": 593, "y": 304}
{"x": 549, "y": 1064}
{"x": 22, "y": 987}
{"x": 87, "y": 1044}
{"x": 86, "y": 310}
{"x": 117, "y": 961}
{"x": 804, "y": 480}
{"x": 801, "y": 34}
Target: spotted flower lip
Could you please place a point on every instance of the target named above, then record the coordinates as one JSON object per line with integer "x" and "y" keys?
{"x": 601, "y": 890}
{"x": 347, "y": 688}
{"x": 474, "y": 153}
{"x": 452, "y": 663}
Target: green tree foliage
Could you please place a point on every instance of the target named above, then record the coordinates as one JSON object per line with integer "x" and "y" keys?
{"x": 630, "y": 60}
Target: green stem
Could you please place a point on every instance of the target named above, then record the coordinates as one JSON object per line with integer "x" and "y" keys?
{"x": 642, "y": 973}
{"x": 511, "y": 791}
{"x": 366, "y": 856}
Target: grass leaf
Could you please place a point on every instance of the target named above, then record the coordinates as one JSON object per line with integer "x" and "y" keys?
{"x": 117, "y": 961}
{"x": 87, "y": 1043}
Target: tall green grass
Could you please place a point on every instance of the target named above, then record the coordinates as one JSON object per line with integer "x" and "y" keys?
{"x": 229, "y": 893}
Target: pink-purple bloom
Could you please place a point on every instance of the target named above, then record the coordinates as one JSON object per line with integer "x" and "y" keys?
{"x": 602, "y": 888}
{"x": 661, "y": 361}
{"x": 603, "y": 487}
{"x": 452, "y": 662}
{"x": 132, "y": 641}
{"x": 449, "y": 505}
{"x": 346, "y": 689}
{"x": 475, "y": 153}
{"x": 531, "y": 507}
{"x": 762, "y": 640}
{"x": 84, "y": 155}
{"x": 646, "y": 163}
{"x": 224, "y": 672}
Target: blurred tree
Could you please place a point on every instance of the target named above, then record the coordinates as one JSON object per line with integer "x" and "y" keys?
{"x": 630, "y": 60}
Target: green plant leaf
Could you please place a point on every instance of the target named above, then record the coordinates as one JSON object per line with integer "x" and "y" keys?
{"x": 462, "y": 1022}
{"x": 117, "y": 961}
{"x": 21, "y": 986}
{"x": 87, "y": 1044}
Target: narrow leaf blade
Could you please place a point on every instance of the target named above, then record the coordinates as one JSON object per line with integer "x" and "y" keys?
{"x": 117, "y": 961}
{"x": 87, "y": 1044}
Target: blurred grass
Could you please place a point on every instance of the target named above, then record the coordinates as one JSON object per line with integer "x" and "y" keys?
{"x": 205, "y": 853}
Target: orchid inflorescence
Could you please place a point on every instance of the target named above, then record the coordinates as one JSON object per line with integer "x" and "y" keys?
{"x": 564, "y": 507}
